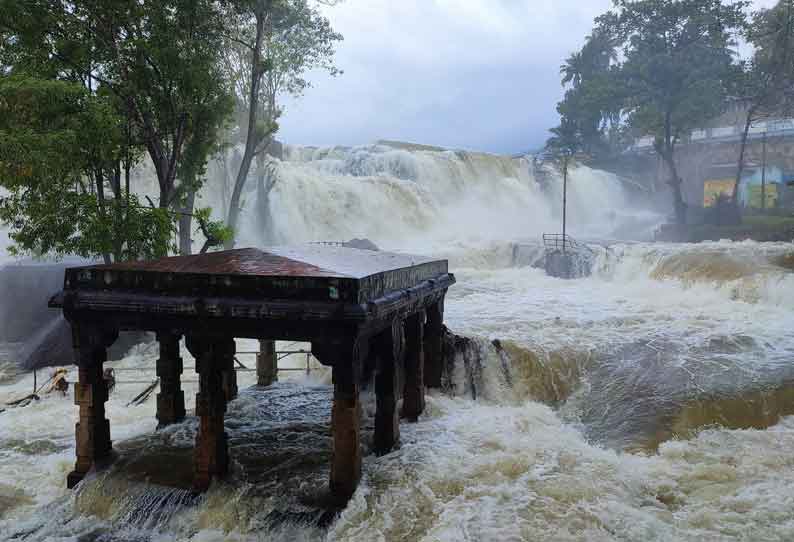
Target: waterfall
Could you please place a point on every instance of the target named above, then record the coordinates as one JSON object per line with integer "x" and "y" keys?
{"x": 410, "y": 197}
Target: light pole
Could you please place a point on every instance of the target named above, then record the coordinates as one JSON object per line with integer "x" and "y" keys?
{"x": 564, "y": 198}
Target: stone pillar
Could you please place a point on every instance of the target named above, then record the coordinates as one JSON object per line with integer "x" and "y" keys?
{"x": 389, "y": 351}
{"x": 266, "y": 364}
{"x": 345, "y": 415}
{"x": 225, "y": 352}
{"x": 346, "y": 432}
{"x": 92, "y": 432}
{"x": 433, "y": 346}
{"x": 211, "y": 455}
{"x": 171, "y": 399}
{"x": 414, "y": 391}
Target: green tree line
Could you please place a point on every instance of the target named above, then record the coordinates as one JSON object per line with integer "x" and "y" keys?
{"x": 665, "y": 68}
{"x": 91, "y": 89}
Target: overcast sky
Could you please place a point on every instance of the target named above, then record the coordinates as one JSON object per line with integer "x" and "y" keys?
{"x": 472, "y": 74}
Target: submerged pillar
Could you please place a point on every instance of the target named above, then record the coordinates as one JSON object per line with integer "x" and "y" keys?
{"x": 345, "y": 358}
{"x": 171, "y": 399}
{"x": 389, "y": 351}
{"x": 414, "y": 390}
{"x": 266, "y": 364}
{"x": 346, "y": 432}
{"x": 433, "y": 344}
{"x": 92, "y": 432}
{"x": 211, "y": 455}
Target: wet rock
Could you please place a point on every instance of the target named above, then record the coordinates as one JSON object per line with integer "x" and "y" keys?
{"x": 569, "y": 265}
{"x": 25, "y": 289}
{"x": 40, "y": 335}
{"x": 785, "y": 261}
{"x": 51, "y": 346}
{"x": 528, "y": 255}
{"x": 464, "y": 353}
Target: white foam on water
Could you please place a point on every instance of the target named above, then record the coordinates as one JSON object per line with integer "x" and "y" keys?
{"x": 400, "y": 198}
{"x": 481, "y": 472}
{"x": 504, "y": 467}
{"x": 37, "y": 441}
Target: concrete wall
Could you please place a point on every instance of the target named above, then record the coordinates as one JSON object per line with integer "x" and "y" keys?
{"x": 700, "y": 161}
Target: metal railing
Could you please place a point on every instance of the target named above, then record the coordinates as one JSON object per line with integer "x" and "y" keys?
{"x": 280, "y": 354}
{"x": 240, "y": 368}
{"x": 153, "y": 382}
{"x": 559, "y": 241}
{"x": 328, "y": 243}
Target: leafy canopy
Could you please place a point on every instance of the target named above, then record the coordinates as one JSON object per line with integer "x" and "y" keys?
{"x": 54, "y": 137}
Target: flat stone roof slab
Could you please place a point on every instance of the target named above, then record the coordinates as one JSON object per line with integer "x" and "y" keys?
{"x": 311, "y": 272}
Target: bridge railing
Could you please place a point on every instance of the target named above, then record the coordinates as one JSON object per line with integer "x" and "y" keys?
{"x": 781, "y": 131}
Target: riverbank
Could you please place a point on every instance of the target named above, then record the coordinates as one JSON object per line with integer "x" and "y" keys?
{"x": 761, "y": 228}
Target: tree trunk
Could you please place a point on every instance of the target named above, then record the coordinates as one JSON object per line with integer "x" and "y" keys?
{"x": 742, "y": 148}
{"x": 234, "y": 202}
{"x": 679, "y": 206}
{"x": 100, "y": 196}
{"x": 185, "y": 223}
{"x": 252, "y": 139}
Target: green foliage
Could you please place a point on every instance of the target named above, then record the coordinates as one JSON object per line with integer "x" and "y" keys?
{"x": 57, "y": 141}
{"x": 673, "y": 72}
{"x": 658, "y": 68}
{"x": 766, "y": 81}
{"x": 302, "y": 40}
{"x": 566, "y": 140}
{"x": 88, "y": 86}
{"x": 296, "y": 39}
{"x": 273, "y": 43}
{"x": 152, "y": 71}
{"x": 216, "y": 232}
{"x": 60, "y": 223}
{"x": 593, "y": 101}
{"x": 676, "y": 63}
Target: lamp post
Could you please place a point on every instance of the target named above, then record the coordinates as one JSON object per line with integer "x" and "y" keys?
{"x": 564, "y": 198}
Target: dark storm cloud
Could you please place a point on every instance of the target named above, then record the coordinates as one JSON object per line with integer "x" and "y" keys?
{"x": 474, "y": 74}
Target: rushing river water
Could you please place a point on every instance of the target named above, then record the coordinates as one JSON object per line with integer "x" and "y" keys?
{"x": 650, "y": 401}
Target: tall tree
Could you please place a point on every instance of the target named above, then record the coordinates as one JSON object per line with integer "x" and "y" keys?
{"x": 676, "y": 68}
{"x": 672, "y": 74}
{"x": 274, "y": 44}
{"x": 765, "y": 83}
{"x": 591, "y": 101}
{"x": 161, "y": 61}
{"x": 566, "y": 141}
{"x": 65, "y": 161}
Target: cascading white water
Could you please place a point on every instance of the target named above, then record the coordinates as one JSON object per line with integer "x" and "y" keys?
{"x": 412, "y": 198}
{"x": 577, "y": 401}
